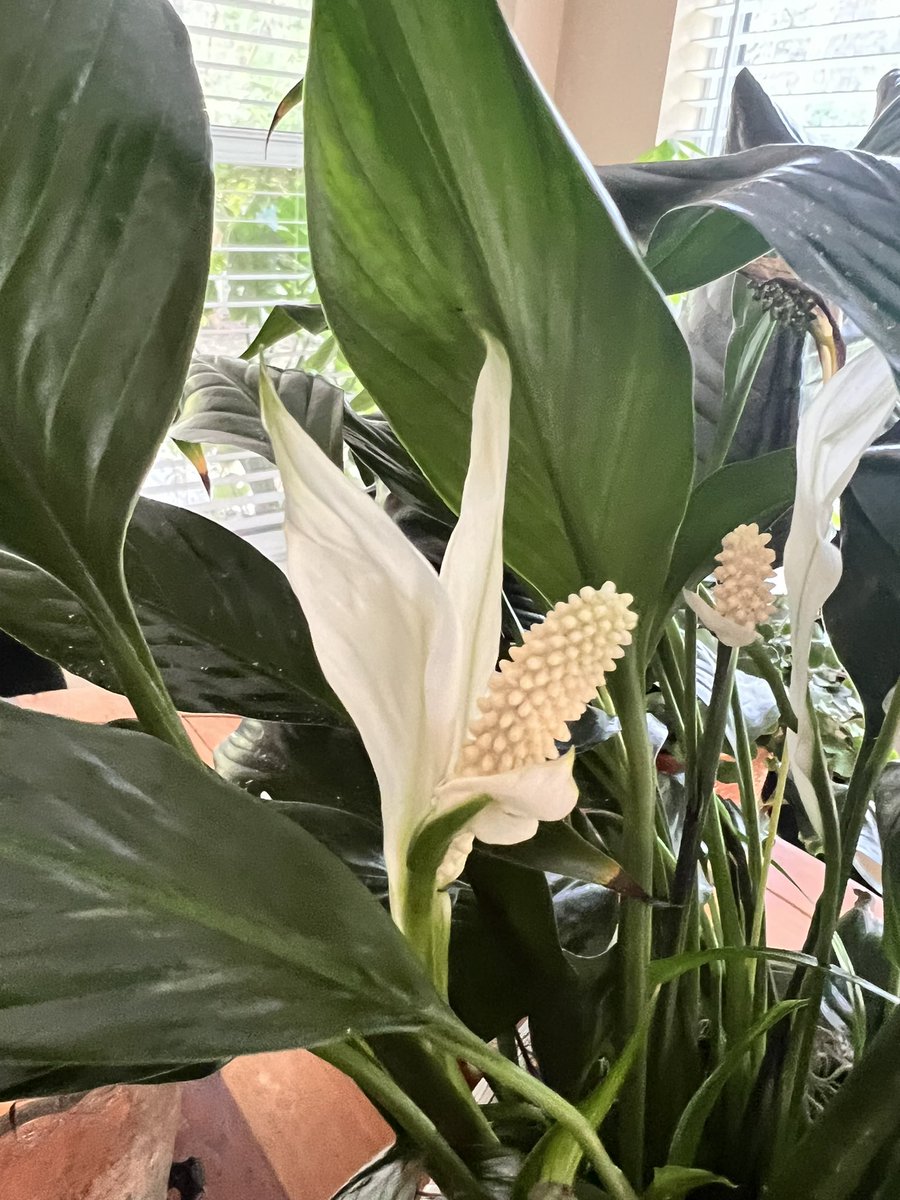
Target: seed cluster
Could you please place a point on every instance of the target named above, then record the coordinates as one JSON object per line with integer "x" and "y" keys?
{"x": 789, "y": 303}
{"x": 744, "y": 576}
{"x": 548, "y": 680}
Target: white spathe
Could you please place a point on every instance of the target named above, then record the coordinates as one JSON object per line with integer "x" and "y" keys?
{"x": 729, "y": 632}
{"x": 835, "y": 429}
{"x": 407, "y": 651}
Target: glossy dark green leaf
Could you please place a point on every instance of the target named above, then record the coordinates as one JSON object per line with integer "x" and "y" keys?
{"x": 153, "y": 912}
{"x": 863, "y": 613}
{"x": 105, "y": 212}
{"x": 221, "y": 406}
{"x": 286, "y": 320}
{"x": 290, "y": 762}
{"x": 557, "y": 848}
{"x": 221, "y": 621}
{"x": 376, "y": 447}
{"x": 829, "y": 213}
{"x": 516, "y": 906}
{"x": 862, "y": 936}
{"x": 25, "y": 1080}
{"x": 883, "y": 135}
{"x": 769, "y": 419}
{"x": 758, "y": 490}
{"x": 356, "y": 841}
{"x": 748, "y": 341}
{"x": 753, "y": 118}
{"x": 425, "y": 139}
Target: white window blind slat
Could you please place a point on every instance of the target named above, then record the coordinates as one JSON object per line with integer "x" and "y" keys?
{"x": 249, "y": 54}
{"x": 819, "y": 59}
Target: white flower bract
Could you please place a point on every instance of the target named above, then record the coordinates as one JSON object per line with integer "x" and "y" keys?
{"x": 411, "y": 654}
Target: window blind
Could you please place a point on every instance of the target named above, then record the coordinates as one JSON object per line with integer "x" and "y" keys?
{"x": 249, "y": 54}
{"x": 820, "y": 60}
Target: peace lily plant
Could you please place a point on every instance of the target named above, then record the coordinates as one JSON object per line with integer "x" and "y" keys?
{"x": 532, "y": 684}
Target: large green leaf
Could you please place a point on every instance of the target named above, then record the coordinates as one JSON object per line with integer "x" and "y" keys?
{"x": 444, "y": 200}
{"x": 105, "y": 212}
{"x": 830, "y": 213}
{"x": 221, "y": 405}
{"x": 153, "y": 913}
{"x": 221, "y": 620}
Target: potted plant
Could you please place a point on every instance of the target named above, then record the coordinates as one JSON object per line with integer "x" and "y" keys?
{"x": 443, "y": 850}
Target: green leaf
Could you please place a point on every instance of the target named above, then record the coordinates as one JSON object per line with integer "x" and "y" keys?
{"x": 753, "y": 118}
{"x": 221, "y": 620}
{"x": 106, "y": 210}
{"x": 356, "y": 841}
{"x": 759, "y": 489}
{"x": 152, "y": 912}
{"x": 25, "y": 1080}
{"x": 748, "y": 342}
{"x": 687, "y": 1135}
{"x": 674, "y": 1183}
{"x": 286, "y": 105}
{"x": 557, "y": 848}
{"x": 862, "y": 615}
{"x": 444, "y": 200}
{"x": 883, "y": 135}
{"x": 284, "y": 321}
{"x": 517, "y": 908}
{"x": 796, "y": 200}
{"x": 221, "y": 405}
{"x": 376, "y": 448}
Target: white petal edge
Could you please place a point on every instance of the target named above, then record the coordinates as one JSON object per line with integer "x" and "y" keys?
{"x": 727, "y": 631}
{"x": 519, "y": 799}
{"x": 472, "y": 570}
{"x": 835, "y": 429}
{"x": 378, "y": 617}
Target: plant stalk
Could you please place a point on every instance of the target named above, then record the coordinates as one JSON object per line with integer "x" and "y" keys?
{"x": 446, "y": 1167}
{"x": 637, "y": 917}
{"x": 510, "y": 1075}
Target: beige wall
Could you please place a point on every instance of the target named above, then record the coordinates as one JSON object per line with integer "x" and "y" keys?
{"x": 604, "y": 63}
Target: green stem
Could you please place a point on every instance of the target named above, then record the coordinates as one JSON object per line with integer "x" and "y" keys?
{"x": 759, "y": 656}
{"x": 698, "y": 800}
{"x": 434, "y": 1081}
{"x": 749, "y": 809}
{"x": 777, "y": 802}
{"x": 530, "y": 1088}
{"x": 446, "y": 1167}
{"x": 124, "y": 645}
{"x": 636, "y": 938}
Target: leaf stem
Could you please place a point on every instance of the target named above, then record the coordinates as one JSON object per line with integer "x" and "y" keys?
{"x": 771, "y": 834}
{"x": 637, "y": 917}
{"x": 474, "y": 1051}
{"x": 700, "y": 796}
{"x": 124, "y": 644}
{"x": 446, "y": 1167}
